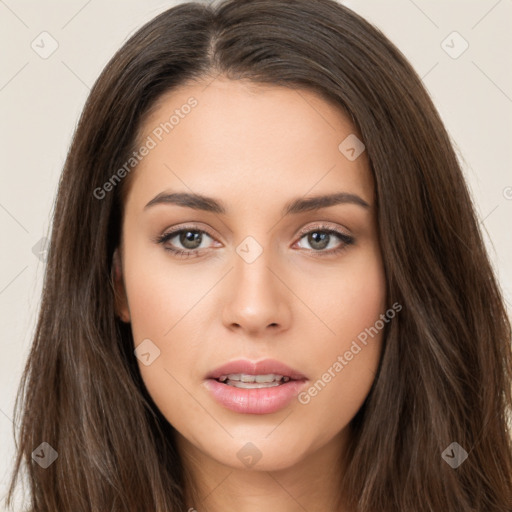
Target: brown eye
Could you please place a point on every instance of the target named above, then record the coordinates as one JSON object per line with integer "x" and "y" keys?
{"x": 184, "y": 241}
{"x": 190, "y": 239}
{"x": 320, "y": 238}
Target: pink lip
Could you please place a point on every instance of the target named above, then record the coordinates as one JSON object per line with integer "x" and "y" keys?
{"x": 255, "y": 401}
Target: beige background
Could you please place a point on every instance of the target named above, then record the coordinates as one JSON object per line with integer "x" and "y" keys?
{"x": 41, "y": 99}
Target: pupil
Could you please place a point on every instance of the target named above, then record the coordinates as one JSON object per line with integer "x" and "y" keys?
{"x": 324, "y": 240}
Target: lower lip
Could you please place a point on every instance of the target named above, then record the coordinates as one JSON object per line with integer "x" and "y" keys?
{"x": 257, "y": 400}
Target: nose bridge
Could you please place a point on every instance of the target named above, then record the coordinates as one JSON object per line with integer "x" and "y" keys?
{"x": 256, "y": 299}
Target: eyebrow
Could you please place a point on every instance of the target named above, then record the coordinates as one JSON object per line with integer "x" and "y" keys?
{"x": 299, "y": 205}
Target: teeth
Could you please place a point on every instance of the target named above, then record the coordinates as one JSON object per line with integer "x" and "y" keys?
{"x": 244, "y": 377}
{"x": 260, "y": 378}
{"x": 244, "y": 380}
{"x": 253, "y": 385}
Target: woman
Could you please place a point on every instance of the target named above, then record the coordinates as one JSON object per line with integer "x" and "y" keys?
{"x": 266, "y": 287}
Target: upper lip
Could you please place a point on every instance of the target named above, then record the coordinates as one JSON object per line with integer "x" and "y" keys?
{"x": 263, "y": 367}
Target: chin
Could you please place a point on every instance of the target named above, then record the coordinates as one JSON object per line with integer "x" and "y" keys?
{"x": 259, "y": 454}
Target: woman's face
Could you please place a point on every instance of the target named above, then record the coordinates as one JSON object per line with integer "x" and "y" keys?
{"x": 265, "y": 274}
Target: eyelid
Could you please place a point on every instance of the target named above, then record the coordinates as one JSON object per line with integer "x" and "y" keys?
{"x": 184, "y": 227}
{"x": 196, "y": 227}
{"x": 324, "y": 226}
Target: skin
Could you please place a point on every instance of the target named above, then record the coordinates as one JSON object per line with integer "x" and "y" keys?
{"x": 253, "y": 147}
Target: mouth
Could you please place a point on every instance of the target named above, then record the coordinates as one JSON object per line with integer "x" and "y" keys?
{"x": 255, "y": 387}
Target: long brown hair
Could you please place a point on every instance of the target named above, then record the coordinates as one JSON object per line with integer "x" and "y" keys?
{"x": 446, "y": 368}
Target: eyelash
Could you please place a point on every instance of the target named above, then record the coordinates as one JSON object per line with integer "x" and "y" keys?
{"x": 321, "y": 228}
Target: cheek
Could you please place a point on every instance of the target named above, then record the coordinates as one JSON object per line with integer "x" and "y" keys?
{"x": 351, "y": 298}
{"x": 164, "y": 300}
{"x": 346, "y": 355}
{"x": 161, "y": 294}
{"x": 158, "y": 314}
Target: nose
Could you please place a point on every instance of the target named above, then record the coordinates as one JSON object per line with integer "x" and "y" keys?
{"x": 257, "y": 299}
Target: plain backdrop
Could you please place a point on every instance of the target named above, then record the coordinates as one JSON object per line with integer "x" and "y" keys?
{"x": 468, "y": 75}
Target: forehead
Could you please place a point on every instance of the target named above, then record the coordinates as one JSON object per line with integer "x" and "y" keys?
{"x": 238, "y": 138}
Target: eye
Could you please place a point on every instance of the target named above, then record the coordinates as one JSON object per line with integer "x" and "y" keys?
{"x": 187, "y": 241}
{"x": 321, "y": 237}
{"x": 190, "y": 238}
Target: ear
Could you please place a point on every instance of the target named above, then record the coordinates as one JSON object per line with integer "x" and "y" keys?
{"x": 121, "y": 300}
